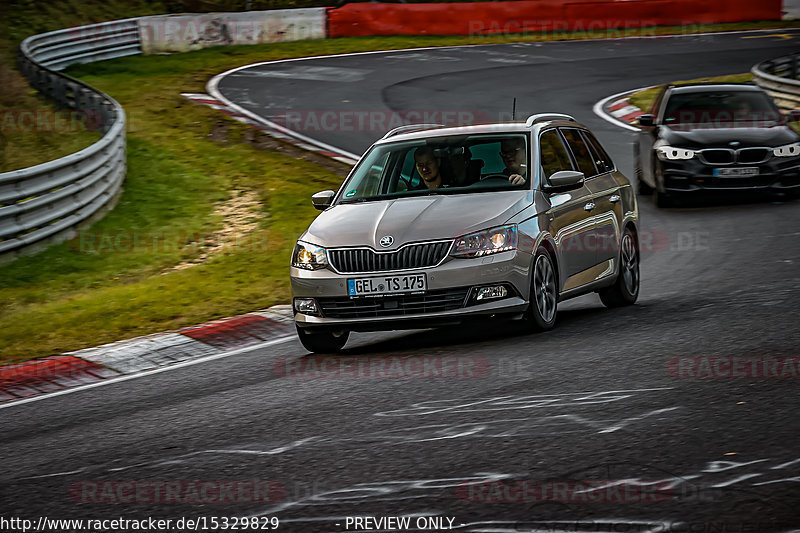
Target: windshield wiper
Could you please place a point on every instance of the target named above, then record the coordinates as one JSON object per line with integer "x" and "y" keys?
{"x": 362, "y": 199}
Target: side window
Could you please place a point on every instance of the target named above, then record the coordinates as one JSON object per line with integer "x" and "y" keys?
{"x": 601, "y": 159}
{"x": 553, "y": 153}
{"x": 581, "y": 152}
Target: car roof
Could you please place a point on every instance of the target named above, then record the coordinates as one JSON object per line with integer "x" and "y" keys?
{"x": 456, "y": 131}
{"x": 711, "y": 87}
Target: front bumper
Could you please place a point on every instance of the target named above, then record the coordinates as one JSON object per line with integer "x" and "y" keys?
{"x": 449, "y": 298}
{"x": 775, "y": 175}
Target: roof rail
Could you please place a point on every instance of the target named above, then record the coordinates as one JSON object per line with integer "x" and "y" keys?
{"x": 541, "y": 117}
{"x": 411, "y": 127}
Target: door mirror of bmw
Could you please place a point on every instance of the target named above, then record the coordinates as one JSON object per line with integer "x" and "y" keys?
{"x": 794, "y": 115}
{"x": 322, "y": 200}
{"x": 646, "y": 121}
{"x": 564, "y": 180}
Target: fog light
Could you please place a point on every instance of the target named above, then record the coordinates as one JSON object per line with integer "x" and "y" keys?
{"x": 489, "y": 293}
{"x": 307, "y": 306}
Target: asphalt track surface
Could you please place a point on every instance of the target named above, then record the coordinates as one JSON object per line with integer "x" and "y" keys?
{"x": 592, "y": 400}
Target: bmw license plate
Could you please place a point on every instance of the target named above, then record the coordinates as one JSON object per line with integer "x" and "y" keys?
{"x": 737, "y": 171}
{"x": 386, "y": 285}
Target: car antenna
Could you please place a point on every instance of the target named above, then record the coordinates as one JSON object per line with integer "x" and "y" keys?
{"x": 514, "y": 110}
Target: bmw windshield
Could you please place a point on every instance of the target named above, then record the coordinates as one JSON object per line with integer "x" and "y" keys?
{"x": 720, "y": 109}
{"x": 466, "y": 164}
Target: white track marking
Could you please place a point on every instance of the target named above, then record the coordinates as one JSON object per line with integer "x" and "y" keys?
{"x": 600, "y": 111}
{"x": 127, "y": 377}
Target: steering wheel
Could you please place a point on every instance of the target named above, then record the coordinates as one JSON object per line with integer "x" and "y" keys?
{"x": 495, "y": 176}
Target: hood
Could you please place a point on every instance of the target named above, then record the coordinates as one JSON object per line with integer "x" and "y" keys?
{"x": 414, "y": 219}
{"x": 701, "y": 136}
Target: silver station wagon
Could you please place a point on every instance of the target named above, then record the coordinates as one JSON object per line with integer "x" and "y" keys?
{"x": 435, "y": 226}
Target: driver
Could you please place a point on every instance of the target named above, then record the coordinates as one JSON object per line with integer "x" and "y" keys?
{"x": 428, "y": 166}
{"x": 512, "y": 150}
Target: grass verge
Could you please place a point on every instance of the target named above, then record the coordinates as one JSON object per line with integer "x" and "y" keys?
{"x": 188, "y": 165}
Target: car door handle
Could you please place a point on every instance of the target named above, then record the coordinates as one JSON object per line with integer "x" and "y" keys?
{"x": 614, "y": 198}
{"x": 589, "y": 206}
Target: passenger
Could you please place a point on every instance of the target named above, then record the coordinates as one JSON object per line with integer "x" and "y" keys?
{"x": 512, "y": 150}
{"x": 428, "y": 165}
{"x": 465, "y": 171}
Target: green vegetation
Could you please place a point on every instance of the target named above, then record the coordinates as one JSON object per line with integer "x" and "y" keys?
{"x": 210, "y": 210}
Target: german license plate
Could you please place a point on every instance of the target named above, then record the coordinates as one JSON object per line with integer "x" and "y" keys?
{"x": 386, "y": 285}
{"x": 738, "y": 171}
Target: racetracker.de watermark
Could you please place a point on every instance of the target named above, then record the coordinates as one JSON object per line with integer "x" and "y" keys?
{"x": 177, "y": 492}
{"x": 48, "y": 120}
{"x": 732, "y": 367}
{"x": 381, "y": 367}
{"x": 564, "y": 491}
{"x": 376, "y": 120}
{"x": 576, "y": 29}
{"x": 110, "y": 242}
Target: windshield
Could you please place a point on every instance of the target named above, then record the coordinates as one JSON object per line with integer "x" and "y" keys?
{"x": 464, "y": 164}
{"x": 738, "y": 108}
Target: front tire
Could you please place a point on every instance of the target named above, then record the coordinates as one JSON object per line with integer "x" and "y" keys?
{"x": 660, "y": 196}
{"x": 625, "y": 290}
{"x": 542, "y": 311}
{"x": 322, "y": 340}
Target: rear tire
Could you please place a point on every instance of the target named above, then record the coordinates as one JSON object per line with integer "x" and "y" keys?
{"x": 322, "y": 340}
{"x": 543, "y": 308}
{"x": 625, "y": 289}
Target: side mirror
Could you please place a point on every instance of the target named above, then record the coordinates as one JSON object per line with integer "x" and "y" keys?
{"x": 564, "y": 180}
{"x": 646, "y": 121}
{"x": 322, "y": 200}
{"x": 794, "y": 115}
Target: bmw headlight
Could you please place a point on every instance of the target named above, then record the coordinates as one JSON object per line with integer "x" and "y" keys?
{"x": 309, "y": 256}
{"x": 670, "y": 153}
{"x": 490, "y": 241}
{"x": 789, "y": 150}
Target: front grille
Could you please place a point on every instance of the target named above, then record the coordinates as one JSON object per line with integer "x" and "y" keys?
{"x": 717, "y": 156}
{"x": 752, "y": 155}
{"x": 435, "y": 301}
{"x": 368, "y": 260}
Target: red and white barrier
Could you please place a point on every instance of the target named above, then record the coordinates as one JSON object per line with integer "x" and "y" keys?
{"x": 487, "y": 18}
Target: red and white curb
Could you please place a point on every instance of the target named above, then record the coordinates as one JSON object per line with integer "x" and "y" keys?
{"x": 271, "y": 128}
{"x": 618, "y": 110}
{"x": 142, "y": 354}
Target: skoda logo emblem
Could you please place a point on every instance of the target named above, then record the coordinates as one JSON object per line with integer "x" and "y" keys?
{"x": 387, "y": 241}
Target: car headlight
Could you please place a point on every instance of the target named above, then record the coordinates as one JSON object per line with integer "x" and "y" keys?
{"x": 670, "y": 153}
{"x": 490, "y": 241}
{"x": 309, "y": 256}
{"x": 789, "y": 150}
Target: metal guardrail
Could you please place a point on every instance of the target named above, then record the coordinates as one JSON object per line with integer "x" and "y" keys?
{"x": 44, "y": 204}
{"x": 779, "y": 77}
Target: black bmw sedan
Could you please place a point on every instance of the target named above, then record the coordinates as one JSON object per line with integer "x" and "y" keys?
{"x": 715, "y": 137}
